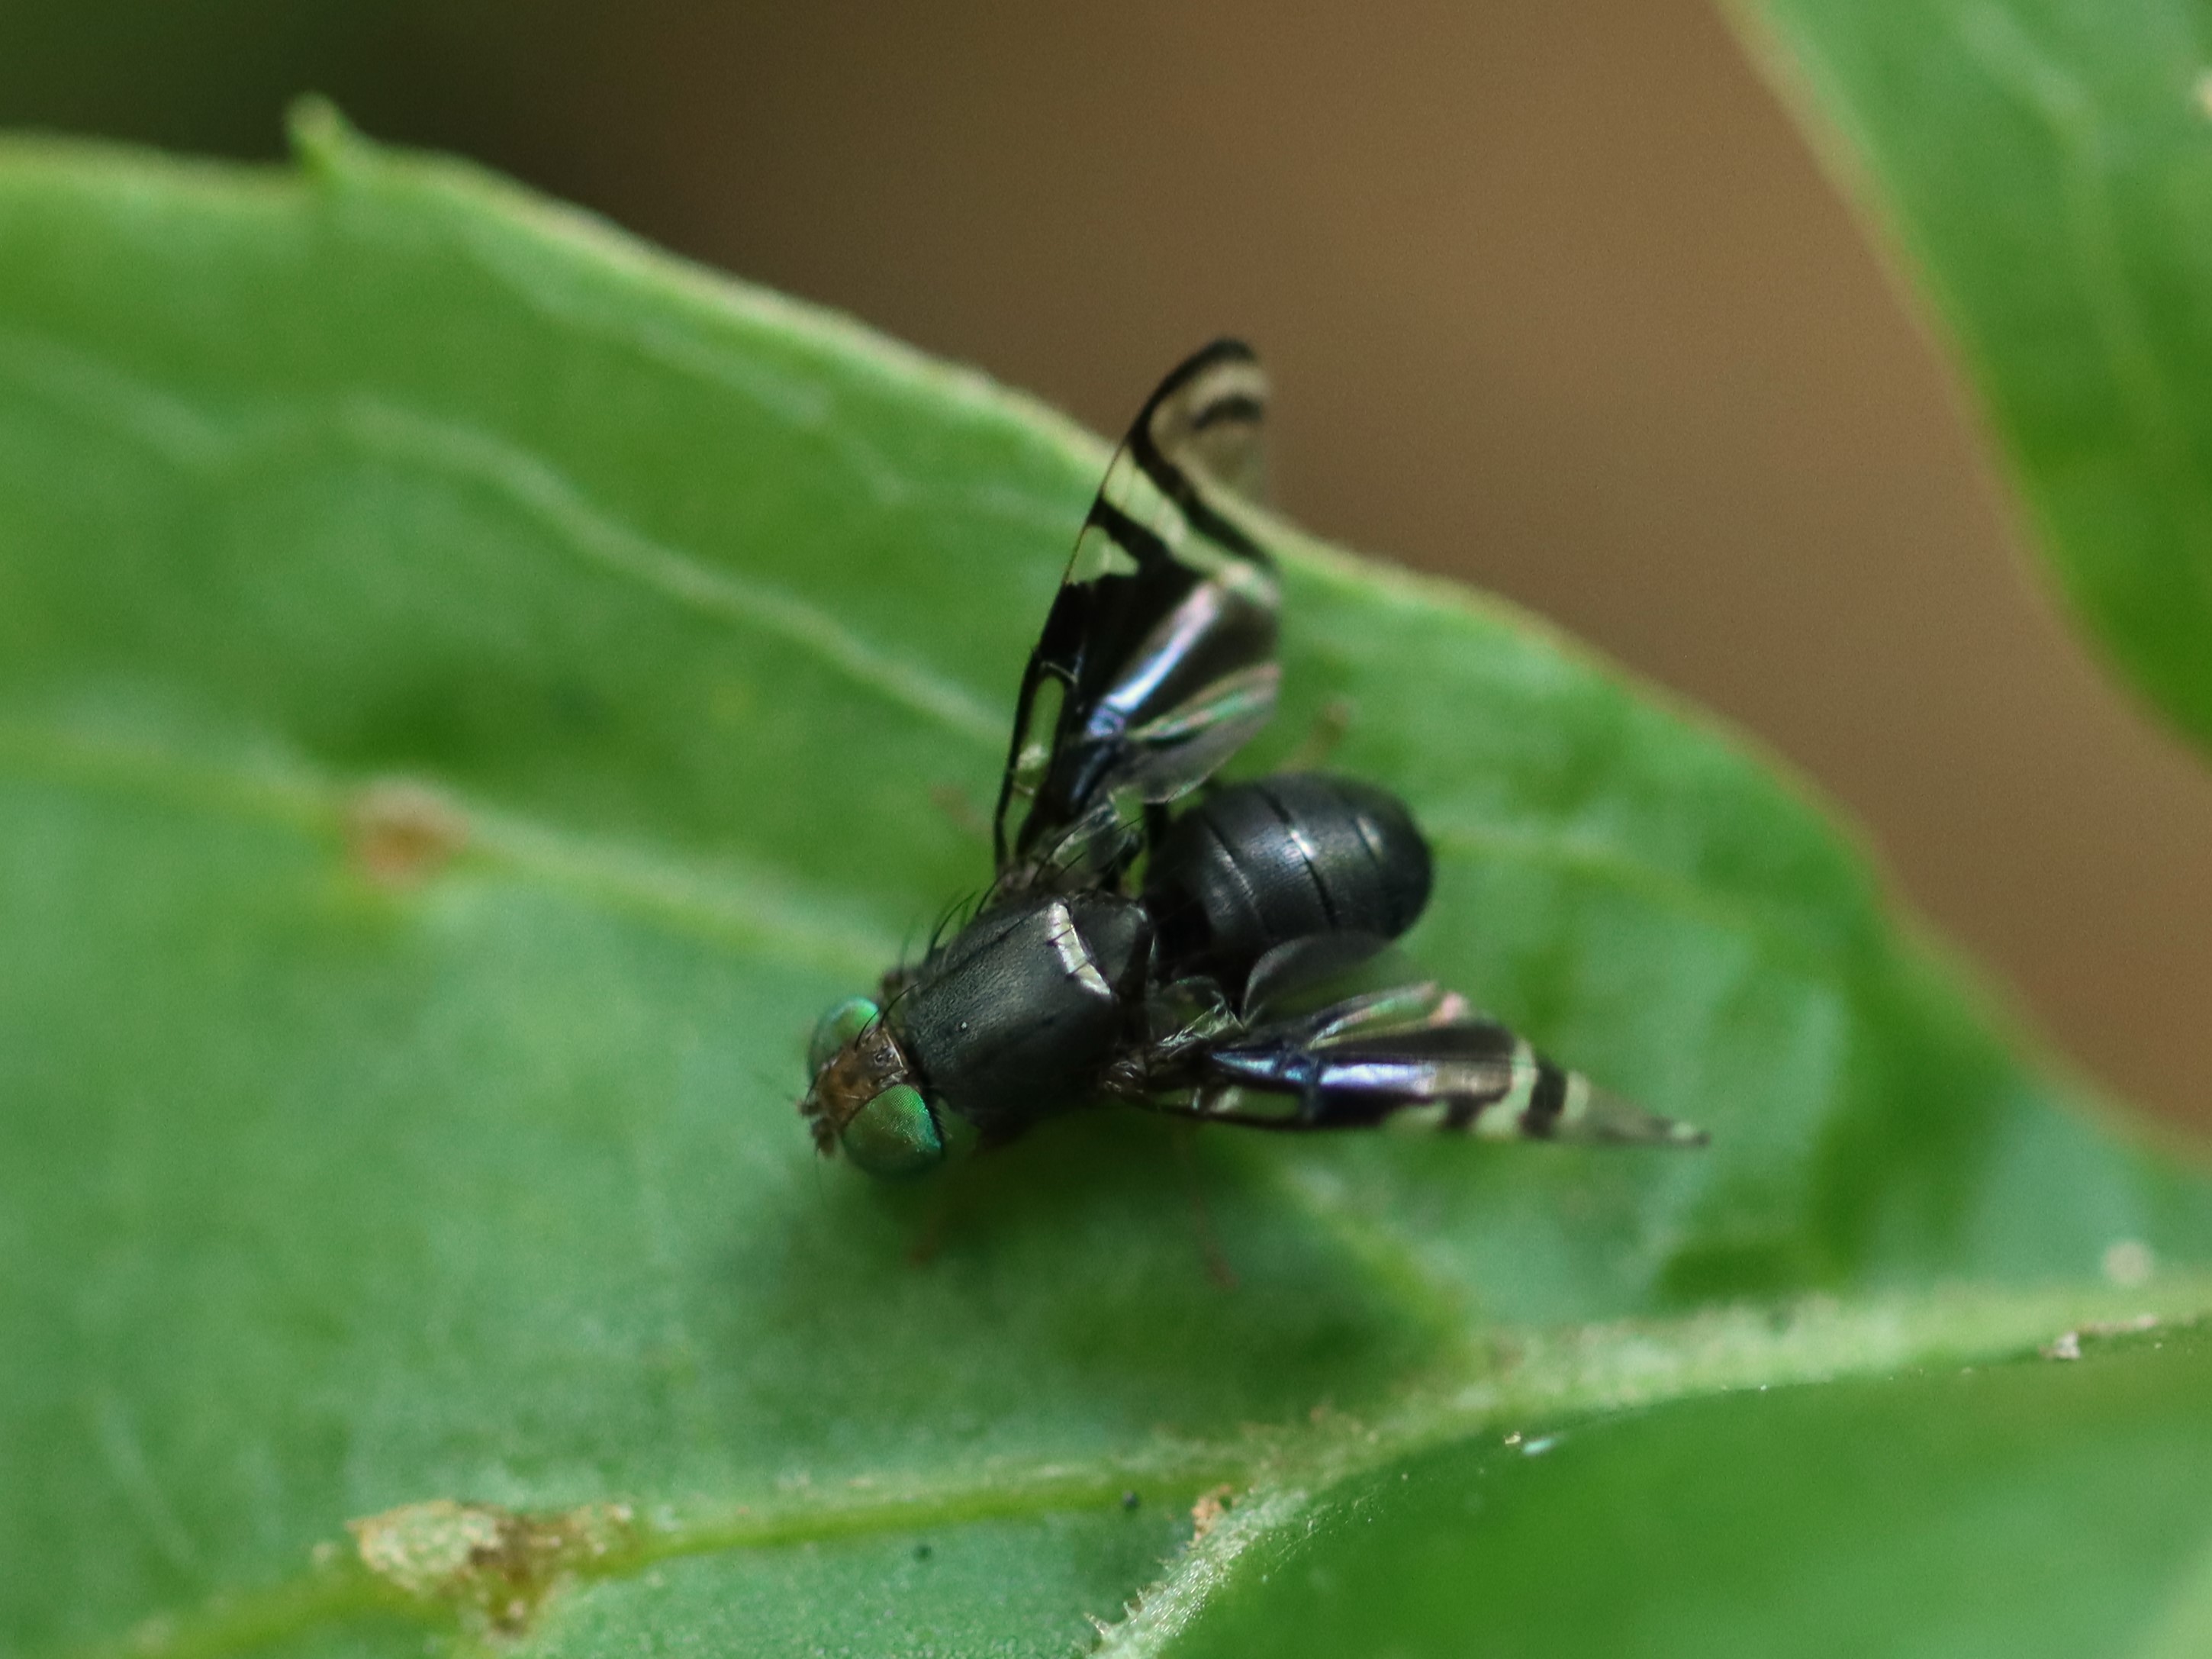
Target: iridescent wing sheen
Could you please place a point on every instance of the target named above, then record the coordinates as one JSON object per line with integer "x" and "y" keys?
{"x": 1414, "y": 1057}
{"x": 1157, "y": 661}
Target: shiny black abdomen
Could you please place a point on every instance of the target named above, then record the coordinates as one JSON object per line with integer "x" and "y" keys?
{"x": 1261, "y": 863}
{"x": 1018, "y": 1016}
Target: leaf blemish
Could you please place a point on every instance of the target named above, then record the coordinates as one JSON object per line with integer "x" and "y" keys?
{"x": 400, "y": 833}
{"x": 494, "y": 1567}
{"x": 1206, "y": 1513}
{"x": 2068, "y": 1343}
{"x": 2128, "y": 1263}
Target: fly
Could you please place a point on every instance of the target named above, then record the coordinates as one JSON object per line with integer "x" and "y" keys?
{"x": 1127, "y": 953}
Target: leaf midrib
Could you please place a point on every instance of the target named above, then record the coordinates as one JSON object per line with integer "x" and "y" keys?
{"x": 1552, "y": 1378}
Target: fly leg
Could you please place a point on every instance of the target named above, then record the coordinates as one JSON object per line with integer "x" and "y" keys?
{"x": 948, "y": 1207}
{"x": 1209, "y": 1245}
{"x": 1330, "y": 723}
{"x": 936, "y": 1222}
{"x": 952, "y": 1192}
{"x": 956, "y": 804}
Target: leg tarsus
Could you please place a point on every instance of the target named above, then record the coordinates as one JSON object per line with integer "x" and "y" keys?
{"x": 1330, "y": 722}
{"x": 1217, "y": 1264}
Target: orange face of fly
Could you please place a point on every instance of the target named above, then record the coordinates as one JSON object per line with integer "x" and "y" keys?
{"x": 863, "y": 1100}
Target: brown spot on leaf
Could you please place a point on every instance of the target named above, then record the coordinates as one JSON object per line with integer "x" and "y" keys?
{"x": 401, "y": 834}
{"x": 494, "y": 1566}
{"x": 1206, "y": 1513}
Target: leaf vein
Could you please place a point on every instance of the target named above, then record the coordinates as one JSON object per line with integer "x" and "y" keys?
{"x": 1548, "y": 1377}
{"x": 540, "y": 490}
{"x": 181, "y": 434}
{"x": 744, "y": 906}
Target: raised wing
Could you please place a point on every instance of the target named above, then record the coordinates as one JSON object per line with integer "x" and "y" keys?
{"x": 1415, "y": 1057}
{"x": 1157, "y": 661}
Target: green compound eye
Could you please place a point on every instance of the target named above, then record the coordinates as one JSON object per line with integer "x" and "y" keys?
{"x": 894, "y": 1135}
{"x": 837, "y": 1028}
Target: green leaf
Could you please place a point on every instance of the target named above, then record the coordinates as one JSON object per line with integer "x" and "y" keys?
{"x": 2047, "y": 167}
{"x": 472, "y": 690}
{"x": 2033, "y": 1508}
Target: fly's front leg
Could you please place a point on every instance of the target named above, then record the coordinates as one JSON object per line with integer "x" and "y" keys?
{"x": 1331, "y": 721}
{"x": 1209, "y": 1243}
{"x": 1127, "y": 1081}
{"x": 960, "y": 808}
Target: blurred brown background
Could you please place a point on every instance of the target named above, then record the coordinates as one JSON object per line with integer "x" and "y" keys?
{"x": 1555, "y": 299}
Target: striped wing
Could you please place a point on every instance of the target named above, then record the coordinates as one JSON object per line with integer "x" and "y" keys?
{"x": 1418, "y": 1057}
{"x": 1157, "y": 659}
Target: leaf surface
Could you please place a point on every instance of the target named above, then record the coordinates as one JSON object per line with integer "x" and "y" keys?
{"x": 2046, "y": 168}
{"x": 2034, "y": 1507}
{"x": 472, "y": 689}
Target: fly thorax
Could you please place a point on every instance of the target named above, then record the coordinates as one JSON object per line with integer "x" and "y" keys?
{"x": 1019, "y": 1014}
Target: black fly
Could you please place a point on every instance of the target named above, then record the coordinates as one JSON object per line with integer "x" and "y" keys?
{"x": 1168, "y": 962}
